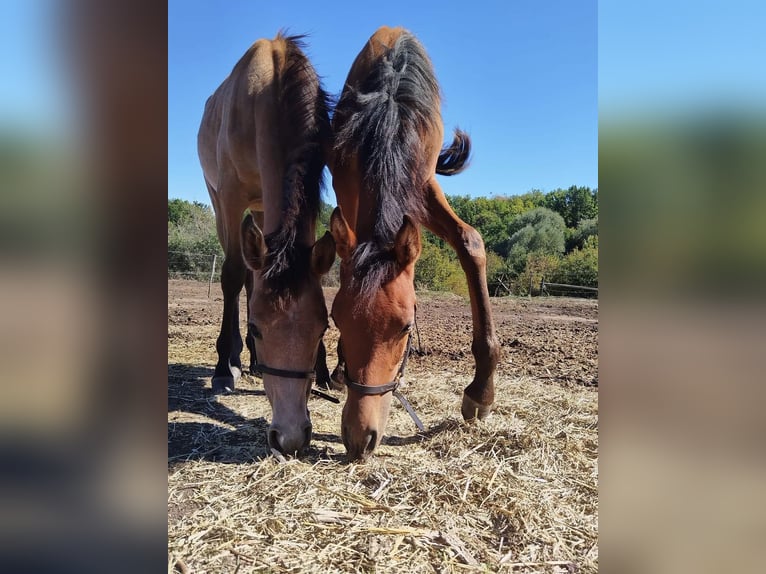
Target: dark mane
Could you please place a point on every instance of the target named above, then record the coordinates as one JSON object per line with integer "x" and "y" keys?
{"x": 304, "y": 127}
{"x": 382, "y": 123}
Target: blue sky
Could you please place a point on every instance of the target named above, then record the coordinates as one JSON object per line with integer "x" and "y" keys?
{"x": 519, "y": 76}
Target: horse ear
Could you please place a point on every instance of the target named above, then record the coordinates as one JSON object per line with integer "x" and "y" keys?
{"x": 253, "y": 244}
{"x": 407, "y": 244}
{"x": 345, "y": 238}
{"x": 323, "y": 254}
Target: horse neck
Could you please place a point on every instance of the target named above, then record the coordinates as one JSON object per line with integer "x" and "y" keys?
{"x": 305, "y": 226}
{"x": 365, "y": 216}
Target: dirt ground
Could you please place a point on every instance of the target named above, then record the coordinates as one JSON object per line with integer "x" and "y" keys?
{"x": 553, "y": 339}
{"x": 546, "y": 418}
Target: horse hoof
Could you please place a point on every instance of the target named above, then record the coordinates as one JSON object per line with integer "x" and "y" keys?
{"x": 223, "y": 385}
{"x": 472, "y": 410}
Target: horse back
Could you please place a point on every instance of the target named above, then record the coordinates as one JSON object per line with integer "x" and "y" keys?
{"x": 267, "y": 108}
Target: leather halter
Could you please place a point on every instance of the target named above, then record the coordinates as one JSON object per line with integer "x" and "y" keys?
{"x": 391, "y": 386}
{"x": 261, "y": 369}
{"x": 380, "y": 389}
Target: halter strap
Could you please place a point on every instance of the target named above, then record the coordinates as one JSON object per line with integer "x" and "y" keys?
{"x": 392, "y": 386}
{"x": 380, "y": 389}
{"x": 261, "y": 368}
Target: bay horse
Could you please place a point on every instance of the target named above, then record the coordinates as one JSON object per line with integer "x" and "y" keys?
{"x": 387, "y": 148}
{"x": 262, "y": 145}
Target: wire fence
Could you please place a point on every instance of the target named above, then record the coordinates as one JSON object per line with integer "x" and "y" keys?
{"x": 190, "y": 265}
{"x": 207, "y": 267}
{"x": 564, "y": 289}
{"x": 505, "y": 284}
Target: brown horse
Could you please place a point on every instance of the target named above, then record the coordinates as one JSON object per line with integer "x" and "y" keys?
{"x": 261, "y": 145}
{"x": 387, "y": 149}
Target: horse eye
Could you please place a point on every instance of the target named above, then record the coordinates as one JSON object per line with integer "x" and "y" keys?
{"x": 254, "y": 330}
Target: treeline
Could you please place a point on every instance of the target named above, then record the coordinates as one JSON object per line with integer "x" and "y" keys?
{"x": 528, "y": 237}
{"x": 192, "y": 239}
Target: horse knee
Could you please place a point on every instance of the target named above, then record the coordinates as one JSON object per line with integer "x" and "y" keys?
{"x": 473, "y": 245}
{"x": 232, "y": 276}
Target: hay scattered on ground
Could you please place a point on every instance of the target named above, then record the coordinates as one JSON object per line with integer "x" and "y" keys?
{"x": 514, "y": 493}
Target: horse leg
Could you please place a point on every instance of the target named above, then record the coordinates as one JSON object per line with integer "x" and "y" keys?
{"x": 229, "y": 343}
{"x": 250, "y": 337}
{"x": 479, "y": 396}
{"x": 321, "y": 370}
{"x": 337, "y": 372}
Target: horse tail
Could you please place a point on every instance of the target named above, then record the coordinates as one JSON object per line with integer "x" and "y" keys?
{"x": 304, "y": 128}
{"x": 453, "y": 158}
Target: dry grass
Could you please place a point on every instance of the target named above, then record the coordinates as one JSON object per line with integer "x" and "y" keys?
{"x": 517, "y": 492}
{"x": 514, "y": 493}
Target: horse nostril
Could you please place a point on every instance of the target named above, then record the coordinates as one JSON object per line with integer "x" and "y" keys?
{"x": 307, "y": 435}
{"x": 273, "y": 438}
{"x": 372, "y": 440}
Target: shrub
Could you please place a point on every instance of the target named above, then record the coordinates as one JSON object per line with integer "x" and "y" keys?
{"x": 539, "y": 230}
{"x": 580, "y": 267}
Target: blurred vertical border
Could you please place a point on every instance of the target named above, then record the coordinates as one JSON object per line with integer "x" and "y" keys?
{"x": 682, "y": 169}
{"x": 83, "y": 132}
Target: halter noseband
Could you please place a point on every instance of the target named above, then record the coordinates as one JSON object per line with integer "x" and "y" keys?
{"x": 264, "y": 369}
{"x": 261, "y": 369}
{"x": 391, "y": 386}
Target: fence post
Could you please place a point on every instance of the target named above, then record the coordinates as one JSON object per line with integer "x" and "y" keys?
{"x": 212, "y": 272}
{"x": 542, "y": 285}
{"x": 530, "y": 284}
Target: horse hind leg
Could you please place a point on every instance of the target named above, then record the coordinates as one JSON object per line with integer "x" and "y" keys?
{"x": 479, "y": 396}
{"x": 229, "y": 344}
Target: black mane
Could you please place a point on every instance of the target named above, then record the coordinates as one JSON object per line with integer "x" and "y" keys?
{"x": 304, "y": 126}
{"x": 383, "y": 123}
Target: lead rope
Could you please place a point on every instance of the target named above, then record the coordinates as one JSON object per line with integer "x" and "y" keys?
{"x": 417, "y": 330}
{"x": 397, "y": 393}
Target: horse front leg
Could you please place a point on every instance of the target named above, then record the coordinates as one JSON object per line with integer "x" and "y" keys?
{"x": 479, "y": 396}
{"x": 250, "y": 335}
{"x": 229, "y": 344}
{"x": 337, "y": 375}
{"x": 320, "y": 368}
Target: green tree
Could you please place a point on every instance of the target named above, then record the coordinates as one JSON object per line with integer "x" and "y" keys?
{"x": 538, "y": 266}
{"x": 192, "y": 238}
{"x": 576, "y": 237}
{"x": 438, "y": 269}
{"x": 539, "y": 230}
{"x": 580, "y": 267}
{"x": 573, "y": 204}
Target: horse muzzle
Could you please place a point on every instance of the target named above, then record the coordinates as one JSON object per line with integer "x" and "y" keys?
{"x": 291, "y": 440}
